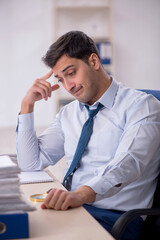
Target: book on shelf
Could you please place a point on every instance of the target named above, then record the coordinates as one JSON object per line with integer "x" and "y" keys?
{"x": 105, "y": 51}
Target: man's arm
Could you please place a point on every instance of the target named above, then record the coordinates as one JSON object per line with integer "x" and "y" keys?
{"x": 31, "y": 153}
{"x": 137, "y": 151}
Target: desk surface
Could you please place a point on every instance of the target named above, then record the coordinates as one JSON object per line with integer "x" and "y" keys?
{"x": 73, "y": 224}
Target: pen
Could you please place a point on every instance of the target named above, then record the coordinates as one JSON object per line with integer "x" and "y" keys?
{"x": 49, "y": 190}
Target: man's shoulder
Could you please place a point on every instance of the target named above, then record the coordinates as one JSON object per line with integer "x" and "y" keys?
{"x": 134, "y": 95}
{"x": 134, "y": 102}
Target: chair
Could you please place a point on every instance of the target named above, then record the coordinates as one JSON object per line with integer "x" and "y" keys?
{"x": 151, "y": 226}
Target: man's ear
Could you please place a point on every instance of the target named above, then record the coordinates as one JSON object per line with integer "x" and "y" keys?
{"x": 94, "y": 61}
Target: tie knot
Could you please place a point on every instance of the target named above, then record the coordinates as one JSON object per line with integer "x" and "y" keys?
{"x": 92, "y": 113}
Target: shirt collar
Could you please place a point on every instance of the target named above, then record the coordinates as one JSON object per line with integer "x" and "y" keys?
{"x": 107, "y": 98}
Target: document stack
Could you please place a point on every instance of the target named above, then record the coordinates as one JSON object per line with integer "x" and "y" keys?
{"x": 13, "y": 205}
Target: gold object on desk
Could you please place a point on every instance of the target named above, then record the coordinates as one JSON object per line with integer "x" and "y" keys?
{"x": 38, "y": 197}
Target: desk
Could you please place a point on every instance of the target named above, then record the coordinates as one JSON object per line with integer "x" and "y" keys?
{"x": 73, "y": 224}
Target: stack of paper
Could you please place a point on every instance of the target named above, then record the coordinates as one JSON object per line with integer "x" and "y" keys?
{"x": 11, "y": 198}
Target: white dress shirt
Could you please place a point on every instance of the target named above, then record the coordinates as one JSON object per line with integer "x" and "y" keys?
{"x": 123, "y": 149}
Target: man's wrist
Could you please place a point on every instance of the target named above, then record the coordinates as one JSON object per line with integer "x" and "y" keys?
{"x": 26, "y": 107}
{"x": 86, "y": 193}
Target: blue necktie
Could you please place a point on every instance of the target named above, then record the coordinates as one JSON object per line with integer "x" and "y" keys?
{"x": 83, "y": 141}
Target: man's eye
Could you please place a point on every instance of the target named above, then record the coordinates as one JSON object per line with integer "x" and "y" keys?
{"x": 60, "y": 80}
{"x": 71, "y": 73}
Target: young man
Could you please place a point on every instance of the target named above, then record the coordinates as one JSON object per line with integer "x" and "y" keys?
{"x": 119, "y": 166}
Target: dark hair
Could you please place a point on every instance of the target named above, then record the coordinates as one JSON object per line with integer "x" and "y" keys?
{"x": 75, "y": 44}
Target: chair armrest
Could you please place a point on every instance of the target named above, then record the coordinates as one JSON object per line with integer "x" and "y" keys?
{"x": 123, "y": 221}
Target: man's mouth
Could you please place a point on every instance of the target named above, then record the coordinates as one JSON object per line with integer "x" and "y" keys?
{"x": 75, "y": 91}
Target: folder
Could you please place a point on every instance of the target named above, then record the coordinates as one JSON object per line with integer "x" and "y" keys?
{"x": 14, "y": 226}
{"x": 105, "y": 51}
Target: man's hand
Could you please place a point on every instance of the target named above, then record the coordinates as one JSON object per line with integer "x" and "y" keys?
{"x": 62, "y": 200}
{"x": 41, "y": 89}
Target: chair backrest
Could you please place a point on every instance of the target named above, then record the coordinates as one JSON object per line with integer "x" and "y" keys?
{"x": 156, "y": 202}
{"x": 152, "y": 223}
{"x": 151, "y": 226}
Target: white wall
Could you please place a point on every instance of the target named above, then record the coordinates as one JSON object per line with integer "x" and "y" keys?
{"x": 26, "y": 32}
{"x": 137, "y": 42}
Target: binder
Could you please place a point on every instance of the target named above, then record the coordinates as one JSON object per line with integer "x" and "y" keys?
{"x": 14, "y": 226}
{"x": 105, "y": 51}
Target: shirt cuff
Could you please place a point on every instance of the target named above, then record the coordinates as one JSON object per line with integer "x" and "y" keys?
{"x": 103, "y": 187}
{"x": 99, "y": 185}
{"x": 25, "y": 122}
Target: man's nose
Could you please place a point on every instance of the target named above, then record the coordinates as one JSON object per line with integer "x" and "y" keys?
{"x": 69, "y": 85}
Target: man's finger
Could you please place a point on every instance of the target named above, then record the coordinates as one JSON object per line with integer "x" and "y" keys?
{"x": 48, "y": 198}
{"x": 55, "y": 87}
{"x": 48, "y": 75}
{"x": 43, "y": 206}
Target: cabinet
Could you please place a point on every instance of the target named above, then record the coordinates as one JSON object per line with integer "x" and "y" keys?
{"x": 93, "y": 17}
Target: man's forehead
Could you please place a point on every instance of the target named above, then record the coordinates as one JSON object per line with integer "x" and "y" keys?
{"x": 64, "y": 69}
{"x": 63, "y": 64}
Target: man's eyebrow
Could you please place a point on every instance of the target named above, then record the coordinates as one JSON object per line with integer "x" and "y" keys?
{"x": 64, "y": 69}
{"x": 67, "y": 67}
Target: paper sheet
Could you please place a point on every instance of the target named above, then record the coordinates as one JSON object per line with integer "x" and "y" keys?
{"x": 35, "y": 177}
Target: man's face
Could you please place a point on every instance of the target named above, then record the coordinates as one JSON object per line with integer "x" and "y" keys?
{"x": 78, "y": 78}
